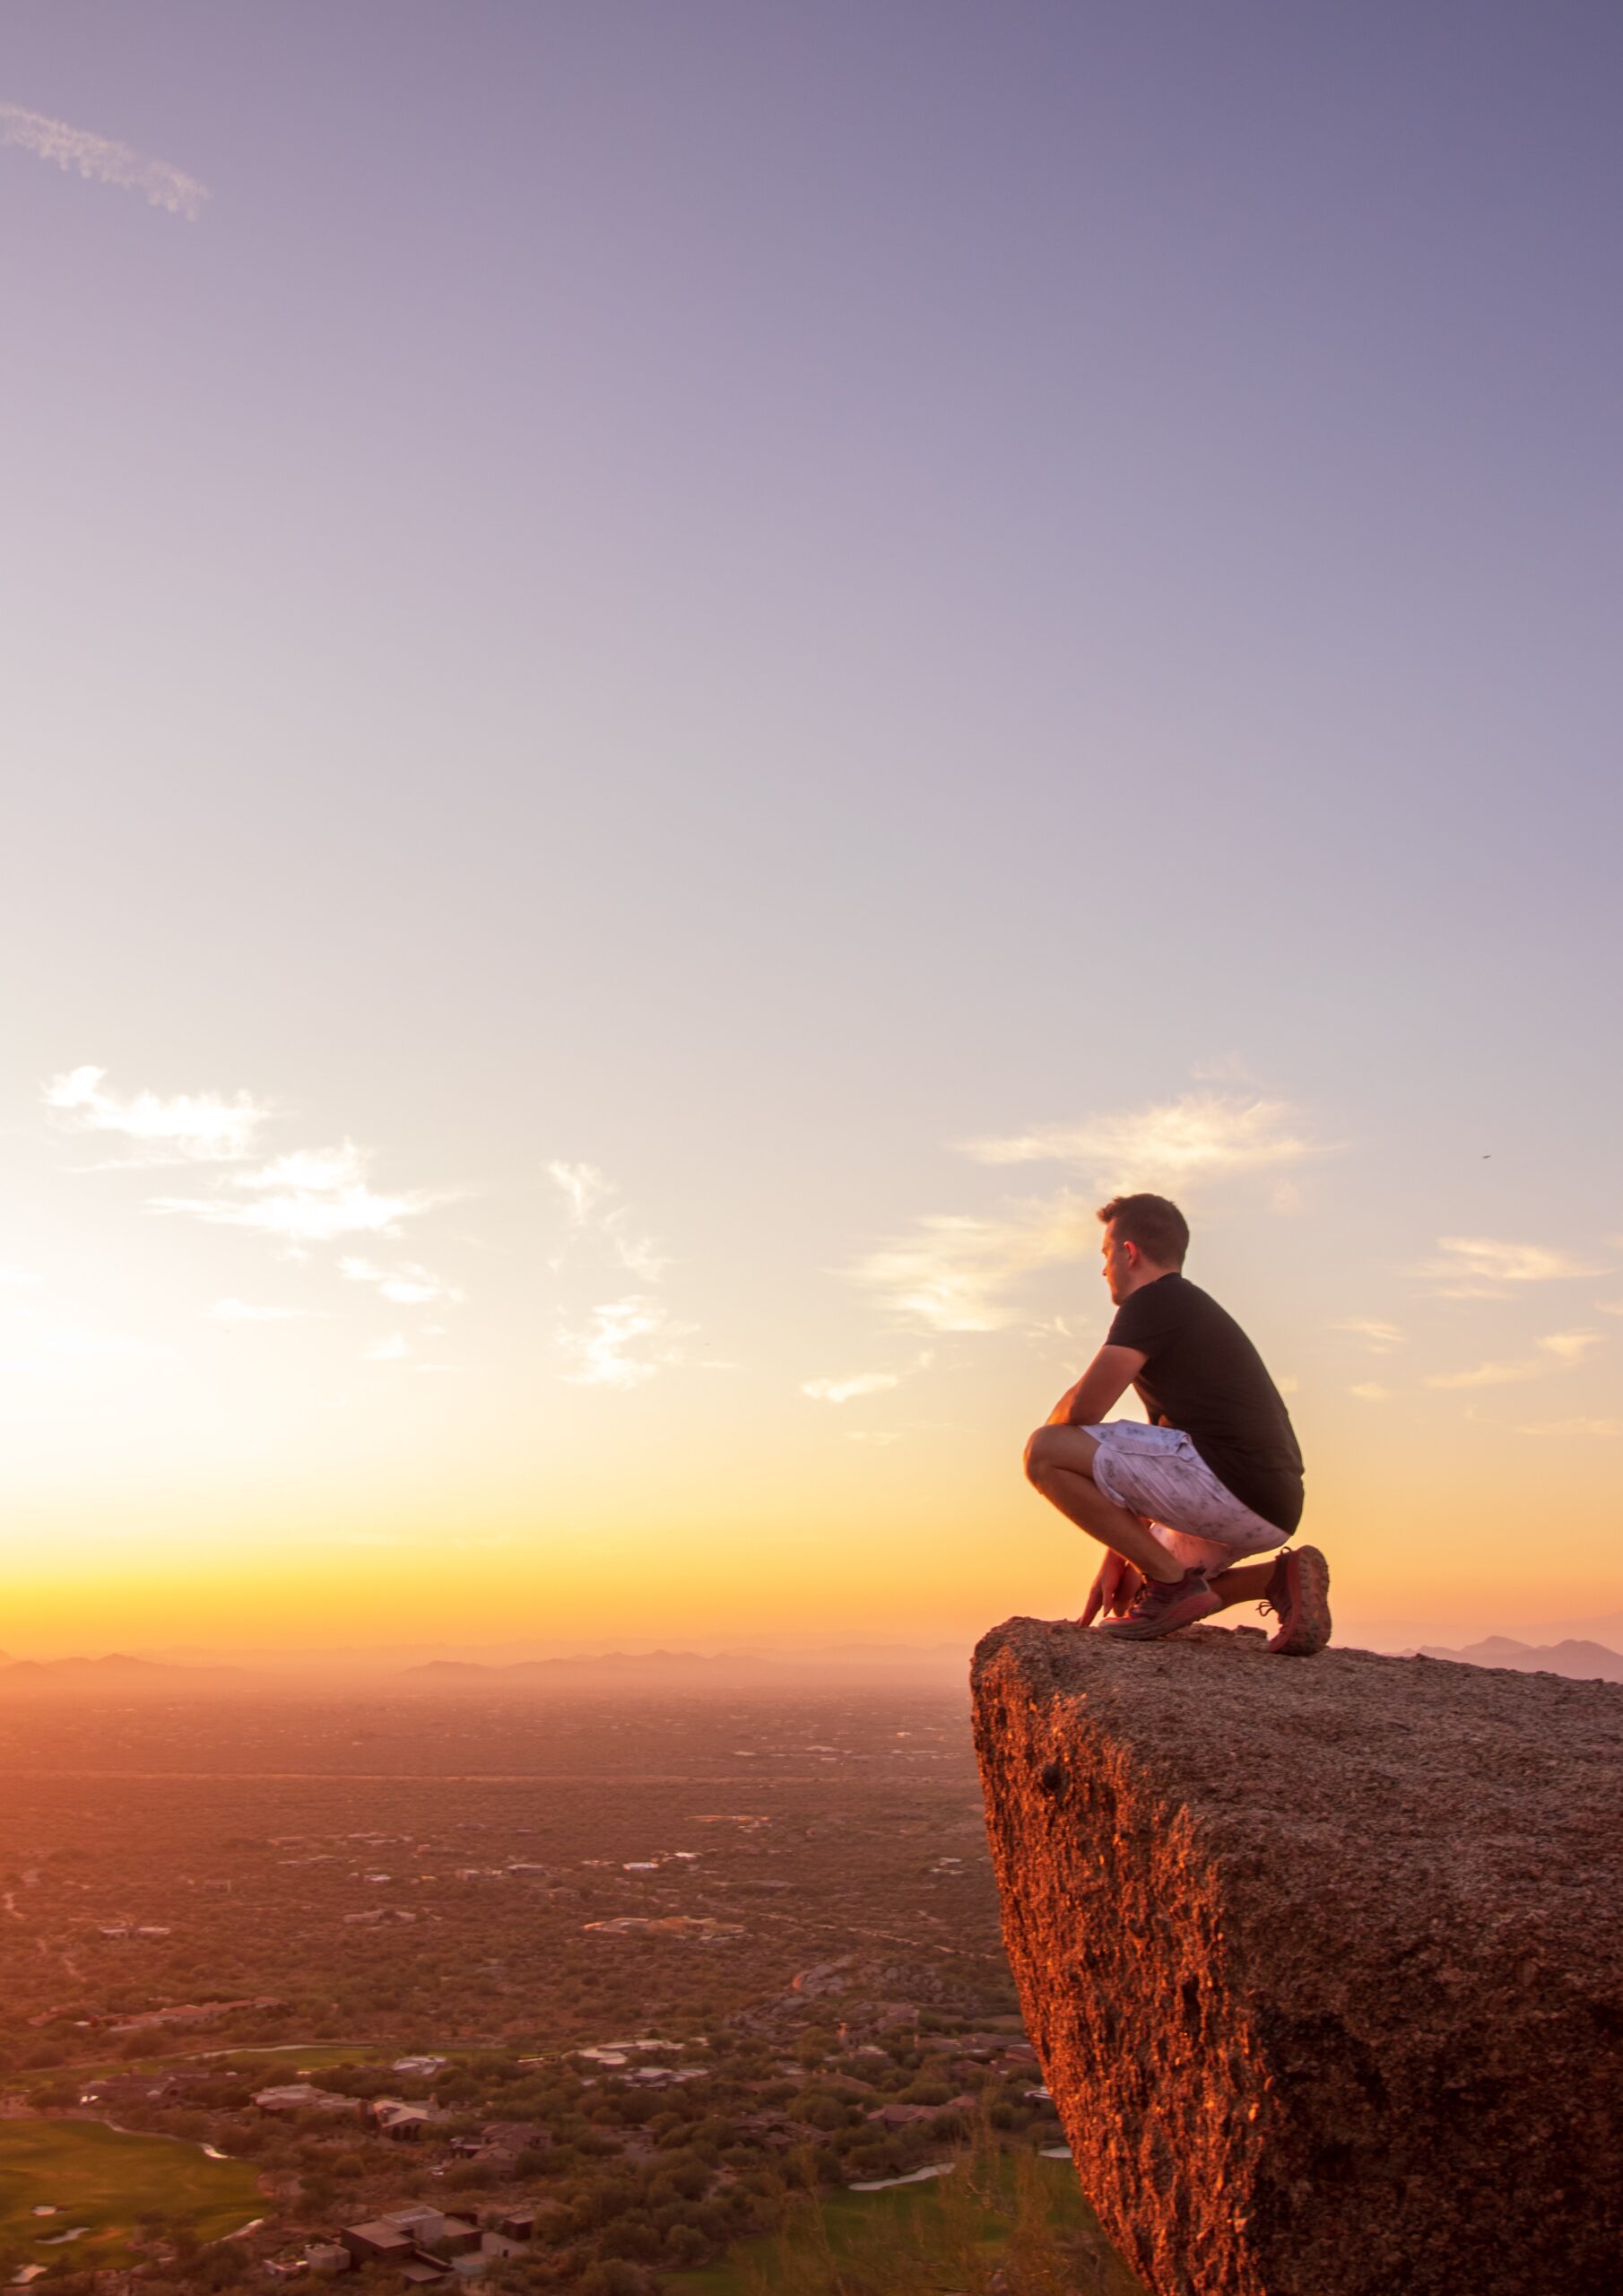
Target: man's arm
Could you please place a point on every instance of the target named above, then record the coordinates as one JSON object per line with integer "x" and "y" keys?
{"x": 1100, "y": 1388}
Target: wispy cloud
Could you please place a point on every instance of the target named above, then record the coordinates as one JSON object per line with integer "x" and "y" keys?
{"x": 1371, "y": 1391}
{"x": 303, "y": 1218}
{"x": 1489, "y": 1375}
{"x": 245, "y": 1311}
{"x": 1381, "y": 1338}
{"x": 394, "y": 1349}
{"x": 407, "y": 1287}
{"x": 1205, "y": 1132}
{"x": 590, "y": 1194}
{"x": 639, "y": 1255}
{"x": 187, "y": 1127}
{"x": 100, "y": 159}
{"x": 866, "y": 1383}
{"x": 584, "y": 1188}
{"x": 1483, "y": 1267}
{"x": 1561, "y": 1350}
{"x": 626, "y": 1342}
{"x": 312, "y": 1196}
{"x": 1224, "y": 1068}
{"x": 319, "y": 1169}
{"x": 13, "y": 1275}
{"x": 954, "y": 1273}
{"x": 303, "y": 1196}
{"x": 1603, "y": 1427}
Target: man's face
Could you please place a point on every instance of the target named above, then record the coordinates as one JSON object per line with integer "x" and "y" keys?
{"x": 1118, "y": 1258}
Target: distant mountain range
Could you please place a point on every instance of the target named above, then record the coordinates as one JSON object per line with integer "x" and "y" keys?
{"x": 1607, "y": 1631}
{"x": 690, "y": 1667}
{"x": 116, "y": 1672}
{"x": 1590, "y": 1662}
{"x": 120, "y": 1675}
{"x": 399, "y": 1655}
{"x": 609, "y": 1662}
{"x": 1400, "y": 1637}
{"x": 1579, "y": 1655}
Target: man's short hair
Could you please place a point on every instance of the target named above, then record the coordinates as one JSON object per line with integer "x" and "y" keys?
{"x": 1153, "y": 1223}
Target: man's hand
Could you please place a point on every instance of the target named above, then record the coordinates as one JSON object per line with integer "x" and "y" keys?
{"x": 1114, "y": 1589}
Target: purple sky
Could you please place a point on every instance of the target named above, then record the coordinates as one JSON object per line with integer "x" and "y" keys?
{"x": 747, "y": 595}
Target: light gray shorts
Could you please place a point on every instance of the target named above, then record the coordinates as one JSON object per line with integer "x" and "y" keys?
{"x": 1157, "y": 1472}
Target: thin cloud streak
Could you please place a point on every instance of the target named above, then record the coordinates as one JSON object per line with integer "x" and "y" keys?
{"x": 408, "y": 1287}
{"x": 311, "y": 1195}
{"x": 587, "y": 1191}
{"x": 100, "y": 159}
{"x": 584, "y": 1186}
{"x": 1202, "y": 1133}
{"x": 1489, "y": 1375}
{"x": 1380, "y": 1337}
{"x": 309, "y": 1168}
{"x": 952, "y": 1274}
{"x": 305, "y": 1218}
{"x": 189, "y": 1127}
{"x": 1566, "y": 1347}
{"x": 866, "y": 1383}
{"x": 308, "y": 1195}
{"x": 603, "y": 1350}
{"x": 1482, "y": 1268}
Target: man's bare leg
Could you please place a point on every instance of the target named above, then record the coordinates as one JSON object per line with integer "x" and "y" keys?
{"x": 1244, "y": 1582}
{"x": 1059, "y": 1462}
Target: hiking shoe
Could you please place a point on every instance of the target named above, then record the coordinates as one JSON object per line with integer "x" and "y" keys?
{"x": 1162, "y": 1610}
{"x": 1298, "y": 1596}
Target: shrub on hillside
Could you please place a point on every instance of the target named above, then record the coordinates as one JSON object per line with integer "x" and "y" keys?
{"x": 617, "y": 2277}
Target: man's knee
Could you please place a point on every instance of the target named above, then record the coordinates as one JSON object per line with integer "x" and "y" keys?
{"x": 1045, "y": 1450}
{"x": 1036, "y": 1456}
{"x": 1059, "y": 1450}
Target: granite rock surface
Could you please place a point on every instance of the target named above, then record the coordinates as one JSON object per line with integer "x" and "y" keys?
{"x": 1321, "y": 1957}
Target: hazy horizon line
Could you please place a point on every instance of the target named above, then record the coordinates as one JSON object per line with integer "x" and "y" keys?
{"x": 1391, "y": 1636}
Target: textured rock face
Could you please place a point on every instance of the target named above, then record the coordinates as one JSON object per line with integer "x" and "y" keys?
{"x": 1322, "y": 1958}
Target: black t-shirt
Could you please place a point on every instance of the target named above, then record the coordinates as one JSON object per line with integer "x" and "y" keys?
{"x": 1204, "y": 1375}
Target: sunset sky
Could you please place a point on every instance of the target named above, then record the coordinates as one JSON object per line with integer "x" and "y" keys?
{"x": 677, "y": 678}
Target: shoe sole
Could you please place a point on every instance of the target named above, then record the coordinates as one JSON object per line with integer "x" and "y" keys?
{"x": 1187, "y": 1613}
{"x": 1308, "y": 1629}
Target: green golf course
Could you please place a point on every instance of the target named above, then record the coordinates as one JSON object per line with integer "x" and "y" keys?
{"x": 99, "y": 2182}
{"x": 911, "y": 2239}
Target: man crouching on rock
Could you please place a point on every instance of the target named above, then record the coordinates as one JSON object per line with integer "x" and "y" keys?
{"x": 1214, "y": 1478}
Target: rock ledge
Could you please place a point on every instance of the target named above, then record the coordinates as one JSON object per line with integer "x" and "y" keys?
{"x": 1321, "y": 1957}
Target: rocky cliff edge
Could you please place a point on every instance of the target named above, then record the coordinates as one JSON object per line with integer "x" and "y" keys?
{"x": 1321, "y": 1957}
